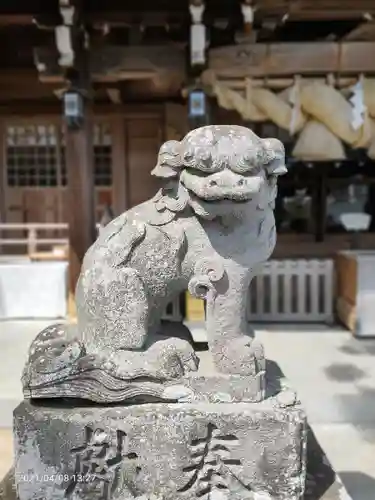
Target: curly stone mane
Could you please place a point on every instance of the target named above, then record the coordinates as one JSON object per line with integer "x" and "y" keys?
{"x": 191, "y": 168}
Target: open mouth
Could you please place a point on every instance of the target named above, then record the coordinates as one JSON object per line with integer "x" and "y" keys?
{"x": 226, "y": 199}
{"x": 222, "y": 200}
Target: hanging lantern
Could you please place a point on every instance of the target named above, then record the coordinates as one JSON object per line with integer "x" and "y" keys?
{"x": 73, "y": 109}
{"x": 197, "y": 104}
{"x": 198, "y": 108}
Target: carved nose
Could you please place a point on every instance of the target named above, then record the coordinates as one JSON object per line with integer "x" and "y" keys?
{"x": 241, "y": 182}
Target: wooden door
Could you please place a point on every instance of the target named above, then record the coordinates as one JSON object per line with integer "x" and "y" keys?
{"x": 144, "y": 137}
{"x": 41, "y": 205}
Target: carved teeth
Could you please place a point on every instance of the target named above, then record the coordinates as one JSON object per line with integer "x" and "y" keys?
{"x": 226, "y": 198}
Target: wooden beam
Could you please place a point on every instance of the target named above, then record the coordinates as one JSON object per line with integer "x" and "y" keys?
{"x": 363, "y": 32}
{"x": 297, "y": 10}
{"x": 27, "y": 109}
{"x": 281, "y": 59}
{"x": 315, "y": 10}
{"x": 25, "y": 85}
{"x": 129, "y": 18}
{"x": 116, "y": 63}
{"x": 16, "y": 19}
{"x": 175, "y": 13}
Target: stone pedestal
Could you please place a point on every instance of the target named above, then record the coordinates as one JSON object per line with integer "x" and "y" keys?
{"x": 322, "y": 482}
{"x": 162, "y": 451}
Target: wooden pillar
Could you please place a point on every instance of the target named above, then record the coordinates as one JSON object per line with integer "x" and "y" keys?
{"x": 320, "y": 202}
{"x": 80, "y": 171}
{"x": 80, "y": 196}
{"x": 3, "y": 174}
{"x": 119, "y": 166}
{"x": 3, "y": 181}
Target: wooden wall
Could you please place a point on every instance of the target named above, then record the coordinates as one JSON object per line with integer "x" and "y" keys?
{"x": 143, "y": 139}
{"x": 136, "y": 138}
{"x": 300, "y": 246}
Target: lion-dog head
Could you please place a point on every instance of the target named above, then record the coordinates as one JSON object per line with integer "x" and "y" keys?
{"x": 219, "y": 169}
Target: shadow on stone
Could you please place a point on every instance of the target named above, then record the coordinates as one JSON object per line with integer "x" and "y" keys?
{"x": 322, "y": 483}
{"x": 359, "y": 347}
{"x": 344, "y": 372}
{"x": 359, "y": 485}
{"x": 274, "y": 378}
{"x": 358, "y": 409}
{"x": 7, "y": 486}
{"x": 171, "y": 329}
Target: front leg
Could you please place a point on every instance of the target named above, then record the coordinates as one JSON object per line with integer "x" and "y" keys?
{"x": 230, "y": 337}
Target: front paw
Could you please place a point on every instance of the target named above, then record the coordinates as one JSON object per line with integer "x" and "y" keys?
{"x": 240, "y": 356}
{"x": 175, "y": 357}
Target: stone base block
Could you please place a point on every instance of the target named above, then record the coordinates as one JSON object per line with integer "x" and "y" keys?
{"x": 322, "y": 482}
{"x": 163, "y": 451}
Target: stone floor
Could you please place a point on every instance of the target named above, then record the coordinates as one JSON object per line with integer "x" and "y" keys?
{"x": 6, "y": 451}
{"x": 333, "y": 373}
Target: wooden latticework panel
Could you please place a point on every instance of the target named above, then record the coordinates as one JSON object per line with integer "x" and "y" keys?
{"x": 36, "y": 176}
{"x": 32, "y": 156}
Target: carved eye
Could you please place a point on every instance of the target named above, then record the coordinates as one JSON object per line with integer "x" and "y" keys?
{"x": 248, "y": 156}
{"x": 251, "y": 161}
{"x": 205, "y": 155}
{"x": 260, "y": 157}
{"x": 188, "y": 154}
{"x": 269, "y": 156}
{"x": 253, "y": 157}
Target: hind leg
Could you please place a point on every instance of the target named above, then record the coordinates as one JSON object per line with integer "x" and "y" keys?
{"x": 114, "y": 323}
{"x": 113, "y": 314}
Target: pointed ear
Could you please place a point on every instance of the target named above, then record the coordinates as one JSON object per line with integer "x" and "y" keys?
{"x": 169, "y": 160}
{"x": 275, "y": 157}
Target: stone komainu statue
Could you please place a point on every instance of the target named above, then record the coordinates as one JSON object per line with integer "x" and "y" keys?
{"x": 207, "y": 230}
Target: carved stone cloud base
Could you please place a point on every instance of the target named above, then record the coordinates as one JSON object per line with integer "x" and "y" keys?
{"x": 163, "y": 451}
{"x": 59, "y": 367}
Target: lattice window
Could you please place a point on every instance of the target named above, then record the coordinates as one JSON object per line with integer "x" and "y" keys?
{"x": 35, "y": 155}
{"x": 102, "y": 154}
{"x": 32, "y": 155}
{"x": 102, "y": 143}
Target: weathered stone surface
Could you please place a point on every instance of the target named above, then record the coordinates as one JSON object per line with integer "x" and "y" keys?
{"x": 172, "y": 451}
{"x": 322, "y": 482}
{"x": 207, "y": 230}
{"x": 229, "y": 437}
{"x": 56, "y": 372}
